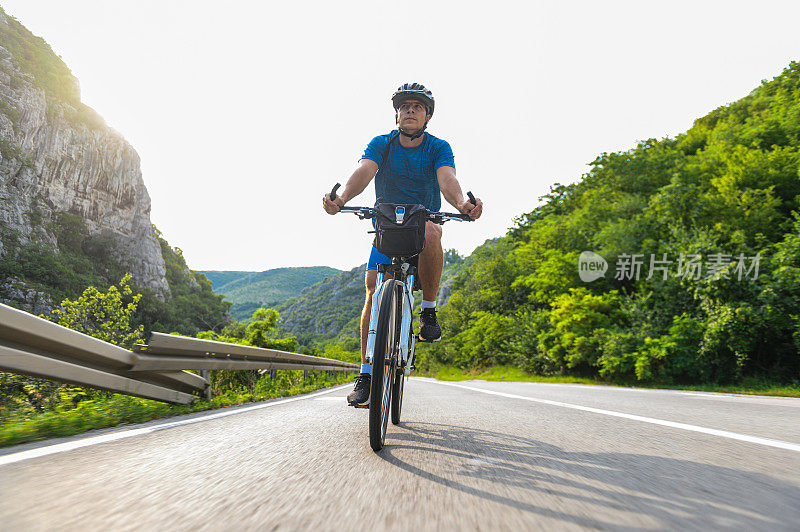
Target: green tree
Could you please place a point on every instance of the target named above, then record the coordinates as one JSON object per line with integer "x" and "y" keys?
{"x": 578, "y": 322}
{"x": 726, "y": 188}
{"x": 261, "y": 332}
{"x": 103, "y": 315}
{"x": 263, "y": 329}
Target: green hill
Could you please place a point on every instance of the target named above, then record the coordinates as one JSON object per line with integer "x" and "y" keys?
{"x": 711, "y": 218}
{"x": 326, "y": 310}
{"x": 331, "y": 309}
{"x": 249, "y": 291}
{"x": 221, "y": 278}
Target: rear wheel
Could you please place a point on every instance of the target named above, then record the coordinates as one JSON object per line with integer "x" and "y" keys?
{"x": 384, "y": 365}
{"x": 397, "y": 395}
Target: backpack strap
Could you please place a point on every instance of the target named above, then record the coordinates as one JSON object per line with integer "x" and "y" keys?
{"x": 385, "y": 155}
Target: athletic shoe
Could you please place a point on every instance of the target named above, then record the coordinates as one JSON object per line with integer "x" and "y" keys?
{"x": 360, "y": 394}
{"x": 430, "y": 330}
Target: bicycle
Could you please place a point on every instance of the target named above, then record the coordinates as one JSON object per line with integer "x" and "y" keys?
{"x": 390, "y": 339}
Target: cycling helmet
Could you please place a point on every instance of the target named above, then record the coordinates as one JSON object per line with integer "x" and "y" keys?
{"x": 413, "y": 91}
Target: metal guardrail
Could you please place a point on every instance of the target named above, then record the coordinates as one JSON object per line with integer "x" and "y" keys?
{"x": 168, "y": 352}
{"x": 33, "y": 346}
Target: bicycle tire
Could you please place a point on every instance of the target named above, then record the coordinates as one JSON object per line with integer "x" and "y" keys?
{"x": 397, "y": 396}
{"x": 400, "y": 377}
{"x": 383, "y": 367}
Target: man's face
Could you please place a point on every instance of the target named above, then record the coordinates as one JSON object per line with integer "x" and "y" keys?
{"x": 412, "y": 115}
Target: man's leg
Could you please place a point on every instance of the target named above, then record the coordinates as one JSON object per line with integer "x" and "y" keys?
{"x": 360, "y": 394}
{"x": 431, "y": 262}
{"x": 369, "y": 282}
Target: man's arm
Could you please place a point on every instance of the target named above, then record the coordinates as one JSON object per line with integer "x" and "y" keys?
{"x": 366, "y": 170}
{"x": 451, "y": 190}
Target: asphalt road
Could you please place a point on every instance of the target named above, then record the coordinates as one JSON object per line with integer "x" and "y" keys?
{"x": 522, "y": 456}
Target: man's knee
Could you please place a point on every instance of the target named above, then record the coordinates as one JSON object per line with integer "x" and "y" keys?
{"x": 433, "y": 234}
{"x": 369, "y": 282}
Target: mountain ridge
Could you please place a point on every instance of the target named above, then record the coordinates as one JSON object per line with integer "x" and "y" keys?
{"x": 249, "y": 291}
{"x": 331, "y": 309}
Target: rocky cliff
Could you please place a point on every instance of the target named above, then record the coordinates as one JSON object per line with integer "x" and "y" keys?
{"x": 58, "y": 156}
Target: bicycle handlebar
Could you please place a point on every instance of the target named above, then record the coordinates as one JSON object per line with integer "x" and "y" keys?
{"x": 435, "y": 217}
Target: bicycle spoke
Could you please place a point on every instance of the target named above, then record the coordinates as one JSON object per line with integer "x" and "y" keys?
{"x": 385, "y": 405}
{"x": 387, "y": 373}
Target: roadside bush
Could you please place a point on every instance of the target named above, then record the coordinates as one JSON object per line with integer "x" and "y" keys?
{"x": 618, "y": 359}
{"x": 484, "y": 343}
{"x": 578, "y": 322}
{"x": 672, "y": 357}
{"x": 524, "y": 342}
{"x": 731, "y": 337}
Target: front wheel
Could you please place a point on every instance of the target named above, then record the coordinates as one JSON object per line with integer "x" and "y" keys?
{"x": 384, "y": 365}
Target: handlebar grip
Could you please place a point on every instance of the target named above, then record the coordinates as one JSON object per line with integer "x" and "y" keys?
{"x": 471, "y": 198}
{"x": 333, "y": 191}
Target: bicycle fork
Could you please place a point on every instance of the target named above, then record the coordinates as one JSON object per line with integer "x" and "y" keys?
{"x": 405, "y": 326}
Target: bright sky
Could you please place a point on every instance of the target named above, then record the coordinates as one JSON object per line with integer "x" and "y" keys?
{"x": 244, "y": 113}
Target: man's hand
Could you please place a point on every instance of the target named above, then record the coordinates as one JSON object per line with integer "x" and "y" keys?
{"x": 451, "y": 190}
{"x": 366, "y": 170}
{"x": 332, "y": 207}
{"x": 474, "y": 211}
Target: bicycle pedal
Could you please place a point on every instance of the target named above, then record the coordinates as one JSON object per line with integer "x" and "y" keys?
{"x": 360, "y": 406}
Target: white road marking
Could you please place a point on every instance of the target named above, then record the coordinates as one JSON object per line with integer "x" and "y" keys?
{"x": 673, "y": 424}
{"x": 337, "y": 398}
{"x": 69, "y": 446}
{"x": 707, "y": 395}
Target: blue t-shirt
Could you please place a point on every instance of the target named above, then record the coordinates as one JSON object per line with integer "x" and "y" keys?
{"x": 409, "y": 175}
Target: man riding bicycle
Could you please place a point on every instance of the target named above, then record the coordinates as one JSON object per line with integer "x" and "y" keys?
{"x": 409, "y": 166}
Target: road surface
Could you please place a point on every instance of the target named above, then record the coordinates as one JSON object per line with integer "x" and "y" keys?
{"x": 468, "y": 455}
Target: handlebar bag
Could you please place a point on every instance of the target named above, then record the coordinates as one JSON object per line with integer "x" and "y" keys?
{"x": 400, "y": 229}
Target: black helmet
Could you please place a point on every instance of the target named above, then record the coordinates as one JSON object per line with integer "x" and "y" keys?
{"x": 413, "y": 91}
